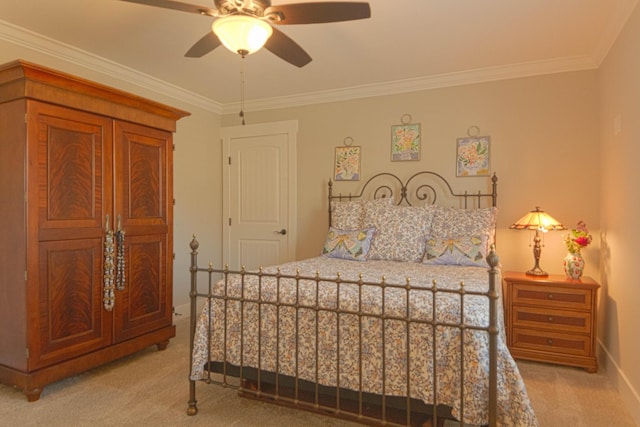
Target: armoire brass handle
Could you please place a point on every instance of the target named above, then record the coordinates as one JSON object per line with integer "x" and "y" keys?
{"x": 108, "y": 297}
{"x": 120, "y": 265}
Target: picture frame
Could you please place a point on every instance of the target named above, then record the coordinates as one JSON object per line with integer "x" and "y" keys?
{"x": 405, "y": 142}
{"x": 347, "y": 163}
{"x": 473, "y": 156}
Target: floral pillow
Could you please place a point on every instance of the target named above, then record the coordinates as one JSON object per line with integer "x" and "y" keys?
{"x": 449, "y": 222}
{"x": 401, "y": 231}
{"x": 348, "y": 215}
{"x": 348, "y": 244}
{"x": 466, "y": 250}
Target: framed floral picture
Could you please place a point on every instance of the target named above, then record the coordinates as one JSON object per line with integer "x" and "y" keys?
{"x": 472, "y": 157}
{"x": 405, "y": 142}
{"x": 347, "y": 167}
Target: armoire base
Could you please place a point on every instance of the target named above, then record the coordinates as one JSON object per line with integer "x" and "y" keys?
{"x": 34, "y": 382}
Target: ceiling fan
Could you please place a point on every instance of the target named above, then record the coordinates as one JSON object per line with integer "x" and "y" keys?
{"x": 253, "y": 19}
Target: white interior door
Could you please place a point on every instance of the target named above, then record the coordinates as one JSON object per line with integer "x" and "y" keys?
{"x": 259, "y": 203}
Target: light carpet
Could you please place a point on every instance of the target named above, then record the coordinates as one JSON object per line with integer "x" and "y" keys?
{"x": 151, "y": 388}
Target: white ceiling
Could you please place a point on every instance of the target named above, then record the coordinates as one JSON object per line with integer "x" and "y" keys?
{"x": 405, "y": 45}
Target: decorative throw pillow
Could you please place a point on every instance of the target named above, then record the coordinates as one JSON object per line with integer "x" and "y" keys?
{"x": 466, "y": 250}
{"x": 401, "y": 231}
{"x": 348, "y": 244}
{"x": 348, "y": 215}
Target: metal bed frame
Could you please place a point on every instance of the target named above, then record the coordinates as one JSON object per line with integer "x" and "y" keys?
{"x": 353, "y": 405}
{"x": 421, "y": 187}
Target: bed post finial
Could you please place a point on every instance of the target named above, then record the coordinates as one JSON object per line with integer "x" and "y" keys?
{"x": 194, "y": 245}
{"x": 492, "y": 257}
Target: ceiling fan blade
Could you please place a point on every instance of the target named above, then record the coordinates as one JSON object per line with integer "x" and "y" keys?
{"x": 316, "y": 13}
{"x": 203, "y": 46}
{"x": 282, "y": 46}
{"x": 177, "y": 5}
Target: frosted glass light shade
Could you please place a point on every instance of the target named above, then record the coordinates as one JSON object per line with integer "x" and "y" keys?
{"x": 537, "y": 220}
{"x": 242, "y": 34}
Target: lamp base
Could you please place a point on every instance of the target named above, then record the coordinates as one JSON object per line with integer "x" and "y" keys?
{"x": 537, "y": 271}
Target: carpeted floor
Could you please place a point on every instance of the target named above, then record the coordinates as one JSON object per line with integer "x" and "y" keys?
{"x": 151, "y": 388}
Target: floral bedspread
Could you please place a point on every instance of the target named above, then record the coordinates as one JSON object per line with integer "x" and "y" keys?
{"x": 357, "y": 342}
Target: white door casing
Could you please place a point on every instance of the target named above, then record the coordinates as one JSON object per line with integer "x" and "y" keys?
{"x": 259, "y": 194}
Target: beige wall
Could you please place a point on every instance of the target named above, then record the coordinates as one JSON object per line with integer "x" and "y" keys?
{"x": 620, "y": 201}
{"x": 544, "y": 148}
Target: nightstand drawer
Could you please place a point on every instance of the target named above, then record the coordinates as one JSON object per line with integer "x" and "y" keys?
{"x": 558, "y": 297}
{"x": 550, "y": 342}
{"x": 558, "y": 320}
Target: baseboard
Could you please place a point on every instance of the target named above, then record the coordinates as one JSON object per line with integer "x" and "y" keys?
{"x": 627, "y": 392}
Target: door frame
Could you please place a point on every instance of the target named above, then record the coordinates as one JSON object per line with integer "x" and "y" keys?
{"x": 289, "y": 127}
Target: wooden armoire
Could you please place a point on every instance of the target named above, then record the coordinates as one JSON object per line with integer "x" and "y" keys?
{"x": 86, "y": 212}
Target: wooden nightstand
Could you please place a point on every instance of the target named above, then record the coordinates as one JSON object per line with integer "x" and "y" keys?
{"x": 551, "y": 319}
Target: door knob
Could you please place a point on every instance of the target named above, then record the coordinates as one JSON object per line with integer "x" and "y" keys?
{"x": 283, "y": 231}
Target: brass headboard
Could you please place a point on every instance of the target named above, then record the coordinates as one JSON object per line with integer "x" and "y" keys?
{"x": 422, "y": 187}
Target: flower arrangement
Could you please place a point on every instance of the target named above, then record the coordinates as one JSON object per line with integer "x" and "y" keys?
{"x": 578, "y": 238}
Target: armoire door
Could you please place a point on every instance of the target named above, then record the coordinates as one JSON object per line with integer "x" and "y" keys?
{"x": 144, "y": 209}
{"x": 69, "y": 194}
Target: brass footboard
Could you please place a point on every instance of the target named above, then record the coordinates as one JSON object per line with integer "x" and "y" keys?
{"x": 290, "y": 389}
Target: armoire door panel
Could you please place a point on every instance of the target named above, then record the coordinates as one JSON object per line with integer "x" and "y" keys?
{"x": 71, "y": 320}
{"x": 145, "y": 302}
{"x": 74, "y": 168}
{"x": 143, "y": 181}
{"x": 71, "y": 171}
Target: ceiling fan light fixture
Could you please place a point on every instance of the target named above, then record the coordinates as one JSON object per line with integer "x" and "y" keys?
{"x": 242, "y": 34}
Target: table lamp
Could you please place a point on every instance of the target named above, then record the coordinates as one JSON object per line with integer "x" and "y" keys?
{"x": 540, "y": 221}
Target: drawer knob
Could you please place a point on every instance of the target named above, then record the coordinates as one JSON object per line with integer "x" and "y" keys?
{"x": 550, "y": 341}
{"x": 550, "y": 296}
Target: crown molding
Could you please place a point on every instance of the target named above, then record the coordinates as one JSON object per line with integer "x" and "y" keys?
{"x": 481, "y": 75}
{"x": 610, "y": 34}
{"x": 612, "y": 31}
{"x": 39, "y": 43}
{"x": 48, "y": 46}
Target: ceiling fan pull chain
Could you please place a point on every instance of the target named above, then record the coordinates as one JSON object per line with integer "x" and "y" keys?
{"x": 242, "y": 90}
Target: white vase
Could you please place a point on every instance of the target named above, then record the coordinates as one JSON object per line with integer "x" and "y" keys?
{"x": 573, "y": 265}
